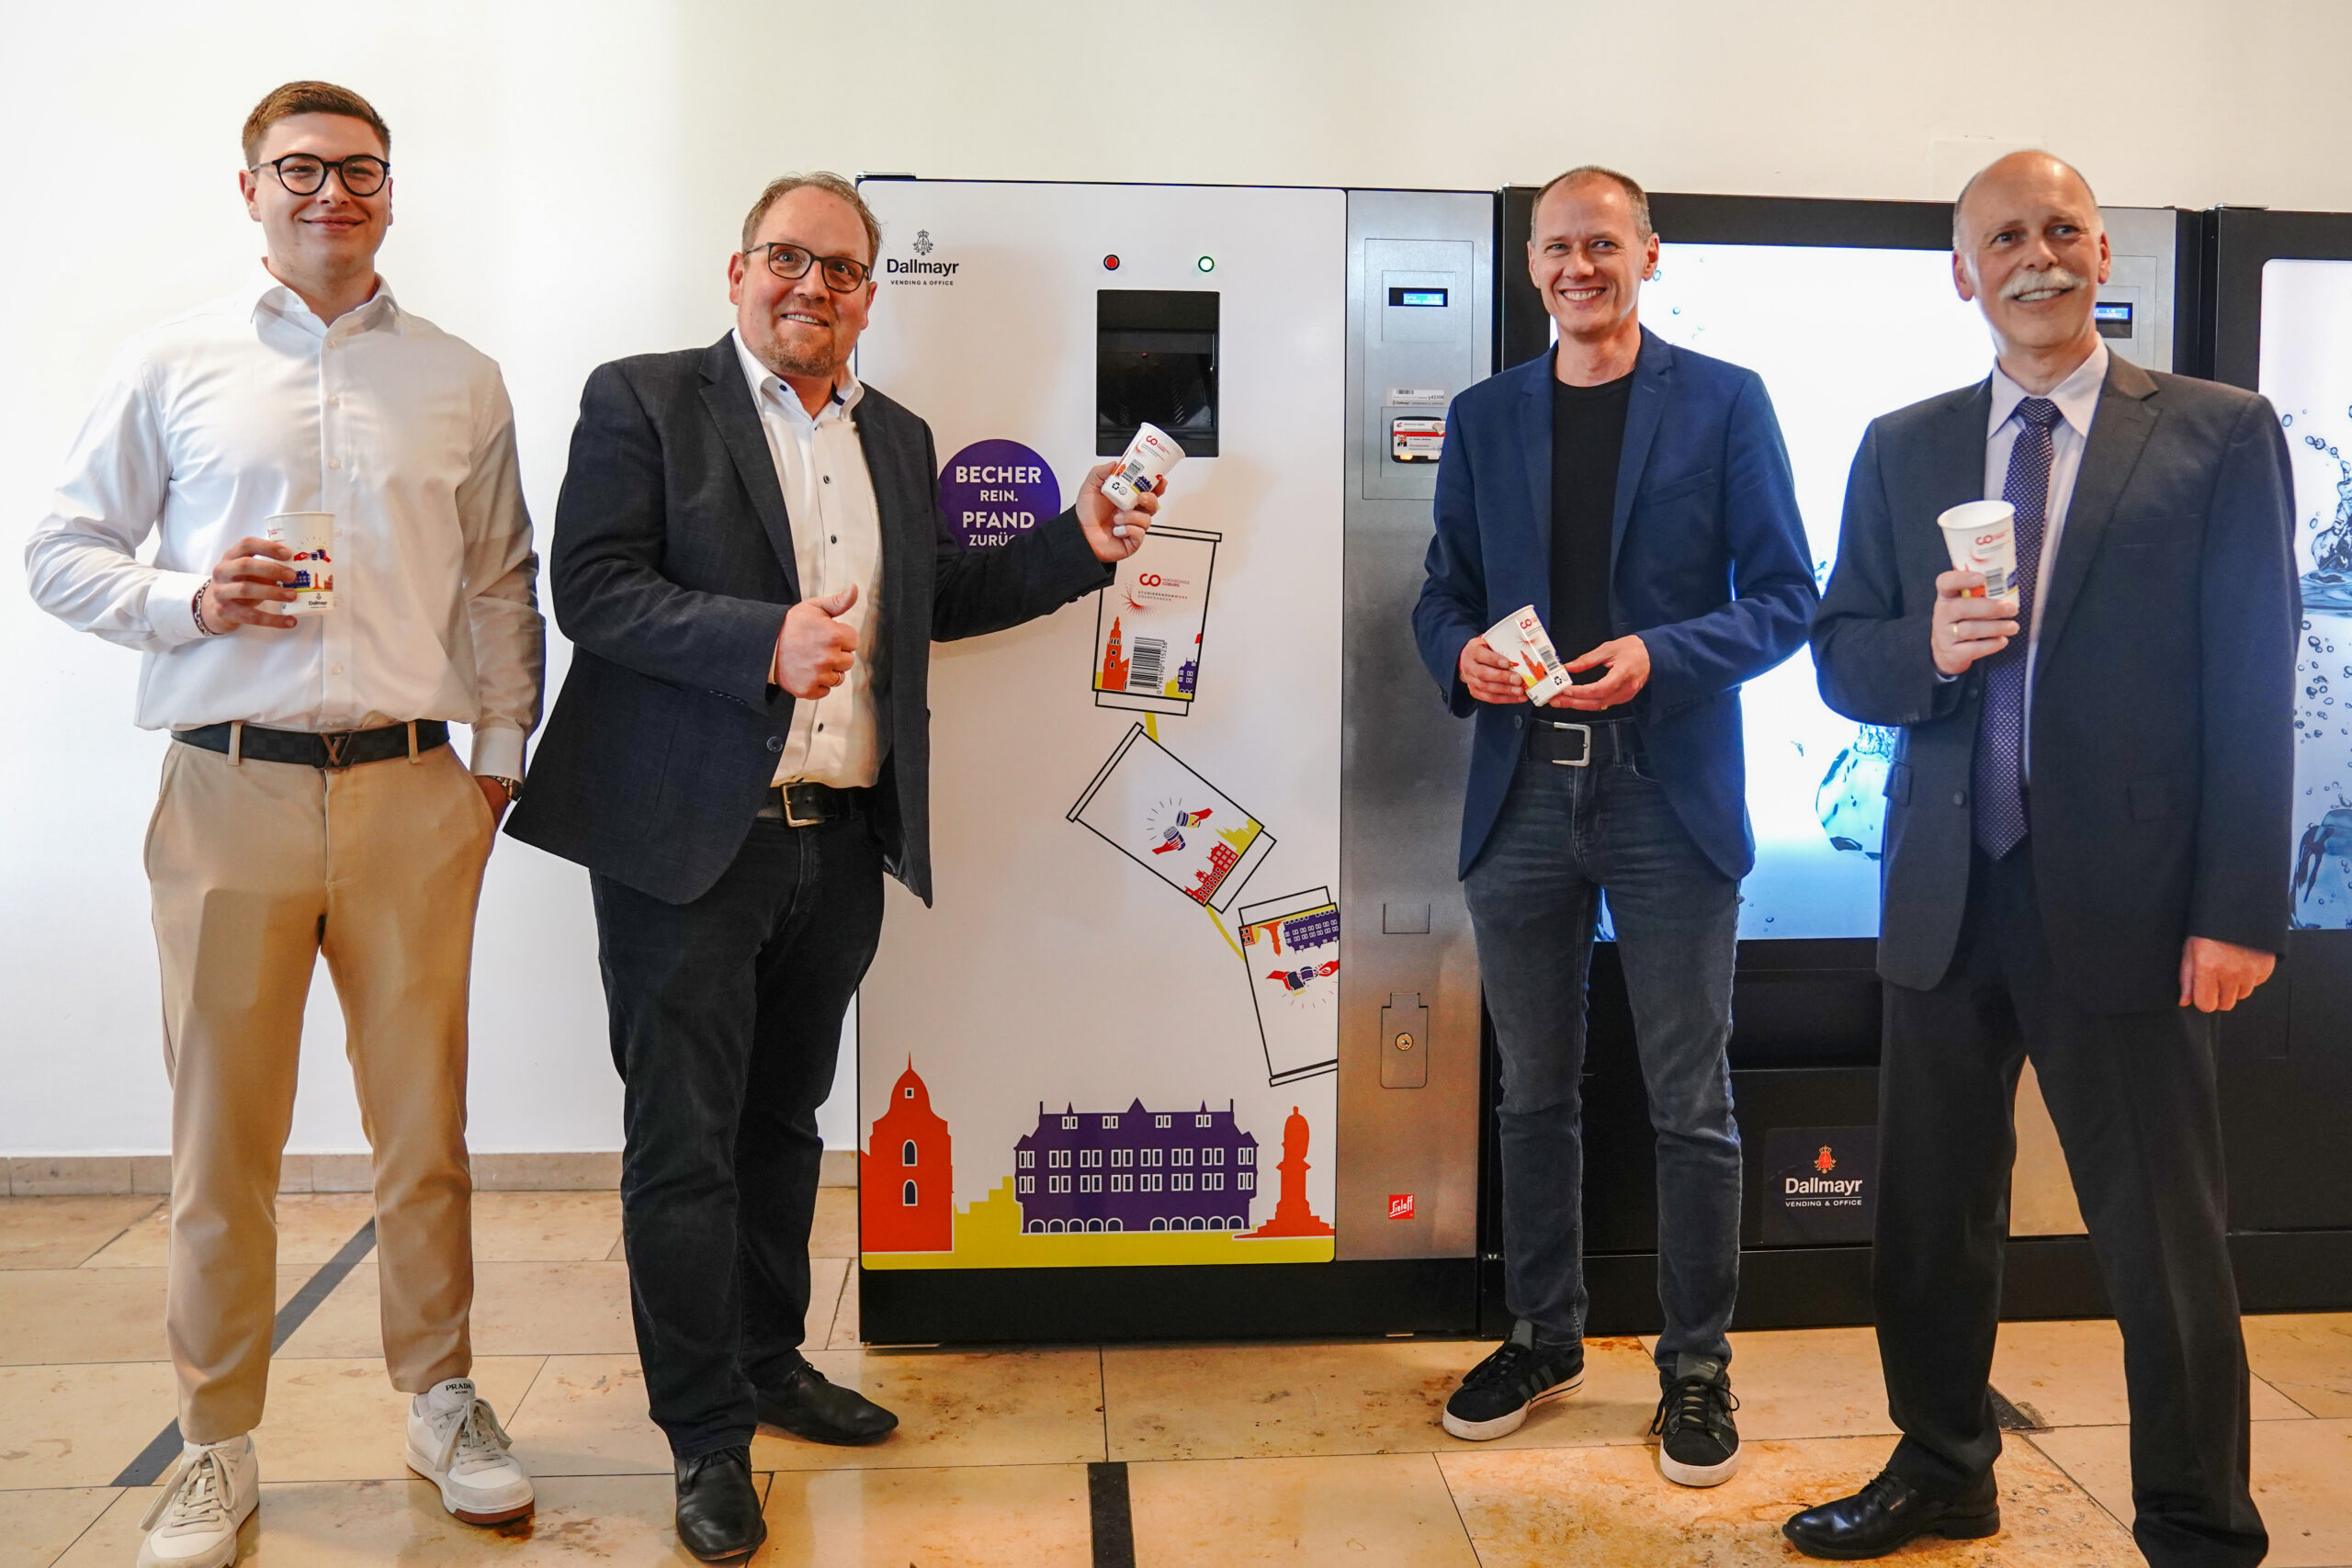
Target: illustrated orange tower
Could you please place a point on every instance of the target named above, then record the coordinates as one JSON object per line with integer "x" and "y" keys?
{"x": 1292, "y": 1216}
{"x": 906, "y": 1186}
{"x": 1115, "y": 666}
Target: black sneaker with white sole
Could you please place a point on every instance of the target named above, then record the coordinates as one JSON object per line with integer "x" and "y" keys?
{"x": 1495, "y": 1397}
{"x": 1698, "y": 1445}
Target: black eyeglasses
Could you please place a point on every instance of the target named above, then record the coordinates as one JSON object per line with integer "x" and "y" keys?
{"x": 842, "y": 275}
{"x": 362, "y": 173}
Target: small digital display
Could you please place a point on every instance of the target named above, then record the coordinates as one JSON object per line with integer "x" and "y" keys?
{"x": 2113, "y": 316}
{"x": 1435, "y": 298}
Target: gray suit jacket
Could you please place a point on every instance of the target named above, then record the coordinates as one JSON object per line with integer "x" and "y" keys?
{"x": 671, "y": 571}
{"x": 2163, "y": 684}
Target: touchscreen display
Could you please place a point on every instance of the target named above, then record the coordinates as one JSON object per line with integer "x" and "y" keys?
{"x": 1839, "y": 336}
{"x": 2306, "y": 372}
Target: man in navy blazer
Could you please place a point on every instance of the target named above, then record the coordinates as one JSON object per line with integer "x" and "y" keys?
{"x": 2088, "y": 834}
{"x": 1639, "y": 497}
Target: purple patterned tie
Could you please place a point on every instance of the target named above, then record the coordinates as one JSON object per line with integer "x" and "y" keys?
{"x": 1999, "y": 768}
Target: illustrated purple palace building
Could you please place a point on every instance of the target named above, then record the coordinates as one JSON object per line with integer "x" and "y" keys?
{"x": 1135, "y": 1170}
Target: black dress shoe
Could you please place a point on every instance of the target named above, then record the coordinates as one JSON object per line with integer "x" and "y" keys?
{"x": 805, "y": 1406}
{"x": 1888, "y": 1512}
{"x": 719, "y": 1508}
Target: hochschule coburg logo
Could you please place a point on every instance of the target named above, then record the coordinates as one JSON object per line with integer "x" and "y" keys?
{"x": 919, "y": 268}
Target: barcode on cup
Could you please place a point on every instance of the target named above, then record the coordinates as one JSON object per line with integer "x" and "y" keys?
{"x": 1143, "y": 671}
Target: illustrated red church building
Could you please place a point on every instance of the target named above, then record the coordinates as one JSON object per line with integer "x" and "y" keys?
{"x": 906, "y": 1188}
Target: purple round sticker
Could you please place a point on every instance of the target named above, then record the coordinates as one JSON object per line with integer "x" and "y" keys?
{"x": 993, "y": 491}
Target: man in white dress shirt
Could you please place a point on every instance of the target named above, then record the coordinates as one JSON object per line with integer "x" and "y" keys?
{"x": 310, "y": 802}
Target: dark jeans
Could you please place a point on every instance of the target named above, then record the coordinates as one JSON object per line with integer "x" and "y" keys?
{"x": 1565, "y": 835}
{"x": 726, "y": 1018}
{"x": 2134, "y": 1101}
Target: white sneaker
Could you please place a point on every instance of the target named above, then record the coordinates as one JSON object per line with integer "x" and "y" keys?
{"x": 455, "y": 1441}
{"x": 194, "y": 1523}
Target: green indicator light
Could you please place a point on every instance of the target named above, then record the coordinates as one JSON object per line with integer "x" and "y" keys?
{"x": 1208, "y": 264}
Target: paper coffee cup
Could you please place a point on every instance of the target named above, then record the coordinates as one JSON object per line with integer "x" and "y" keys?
{"x": 1982, "y": 536}
{"x": 310, "y": 536}
{"x": 1148, "y": 458}
{"x": 1520, "y": 637}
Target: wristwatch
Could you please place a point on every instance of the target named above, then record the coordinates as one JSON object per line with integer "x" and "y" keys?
{"x": 513, "y": 787}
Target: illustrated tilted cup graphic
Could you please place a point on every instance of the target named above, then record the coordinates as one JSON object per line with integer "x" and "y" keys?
{"x": 1520, "y": 638}
{"x": 1982, "y": 536}
{"x": 1146, "y": 460}
{"x": 310, "y": 536}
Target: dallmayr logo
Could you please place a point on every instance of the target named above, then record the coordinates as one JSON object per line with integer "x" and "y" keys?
{"x": 1820, "y": 1186}
{"x": 919, "y": 269}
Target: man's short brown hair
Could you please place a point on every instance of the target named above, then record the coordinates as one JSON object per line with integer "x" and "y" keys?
{"x": 1634, "y": 194}
{"x": 784, "y": 185}
{"x": 310, "y": 97}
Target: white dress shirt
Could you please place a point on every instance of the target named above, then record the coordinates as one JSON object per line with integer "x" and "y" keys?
{"x": 249, "y": 406}
{"x": 2078, "y": 399}
{"x": 836, "y": 541}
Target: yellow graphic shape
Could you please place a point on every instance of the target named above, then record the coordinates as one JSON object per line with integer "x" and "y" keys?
{"x": 1151, "y": 727}
{"x": 1241, "y": 838}
{"x": 988, "y": 1236}
{"x": 1218, "y": 922}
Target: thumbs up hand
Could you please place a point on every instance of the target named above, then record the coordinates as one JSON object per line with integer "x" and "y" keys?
{"x": 815, "y": 649}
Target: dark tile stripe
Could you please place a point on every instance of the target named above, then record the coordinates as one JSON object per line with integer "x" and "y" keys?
{"x": 2012, "y": 1417}
{"x": 159, "y": 1455}
{"x": 1114, "y": 1520}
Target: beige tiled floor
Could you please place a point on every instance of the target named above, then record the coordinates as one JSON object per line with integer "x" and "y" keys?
{"x": 1238, "y": 1456}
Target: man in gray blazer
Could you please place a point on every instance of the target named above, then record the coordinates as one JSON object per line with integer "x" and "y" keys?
{"x": 750, "y": 563}
{"x": 2086, "y": 854}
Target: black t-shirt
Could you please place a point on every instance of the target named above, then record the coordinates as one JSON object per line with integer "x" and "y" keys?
{"x": 1587, "y": 435}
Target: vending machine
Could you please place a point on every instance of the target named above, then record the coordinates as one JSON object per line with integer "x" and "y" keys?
{"x": 2281, "y": 286}
{"x": 1888, "y": 330}
{"x": 1187, "y": 1045}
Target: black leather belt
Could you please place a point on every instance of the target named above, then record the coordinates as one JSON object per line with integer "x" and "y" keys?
{"x": 337, "y": 749}
{"x": 806, "y": 805}
{"x": 1572, "y": 745}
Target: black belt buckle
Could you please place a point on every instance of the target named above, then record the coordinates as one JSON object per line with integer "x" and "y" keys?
{"x": 1585, "y": 730}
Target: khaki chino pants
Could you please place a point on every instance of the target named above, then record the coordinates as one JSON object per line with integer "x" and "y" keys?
{"x": 256, "y": 869}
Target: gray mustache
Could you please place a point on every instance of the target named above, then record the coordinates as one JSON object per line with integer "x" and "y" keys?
{"x": 2048, "y": 278}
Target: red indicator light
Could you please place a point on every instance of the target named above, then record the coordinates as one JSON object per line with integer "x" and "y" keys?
{"x": 1110, "y": 264}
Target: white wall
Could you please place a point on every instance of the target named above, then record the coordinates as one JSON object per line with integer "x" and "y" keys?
{"x": 569, "y": 180}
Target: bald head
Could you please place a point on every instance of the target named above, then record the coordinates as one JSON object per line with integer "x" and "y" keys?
{"x": 2029, "y": 250}
{"x": 2005, "y": 181}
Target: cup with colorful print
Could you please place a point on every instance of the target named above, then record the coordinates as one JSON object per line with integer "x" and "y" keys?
{"x": 1982, "y": 536}
{"x": 1146, "y": 462}
{"x": 1523, "y": 642}
{"x": 310, "y": 536}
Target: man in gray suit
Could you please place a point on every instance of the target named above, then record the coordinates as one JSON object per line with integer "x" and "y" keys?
{"x": 750, "y": 563}
{"x": 2086, "y": 854}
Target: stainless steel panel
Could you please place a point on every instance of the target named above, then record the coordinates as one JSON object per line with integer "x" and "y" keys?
{"x": 1408, "y": 1116}
{"x": 2144, "y": 239}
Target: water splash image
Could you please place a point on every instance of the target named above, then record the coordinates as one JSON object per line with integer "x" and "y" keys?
{"x": 1852, "y": 801}
{"x": 2328, "y": 585}
{"x": 2323, "y": 877}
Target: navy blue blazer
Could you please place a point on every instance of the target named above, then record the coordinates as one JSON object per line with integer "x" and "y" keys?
{"x": 2163, "y": 684}
{"x": 1707, "y": 563}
